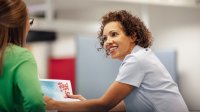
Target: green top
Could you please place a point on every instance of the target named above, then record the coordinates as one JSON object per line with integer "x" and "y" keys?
{"x": 20, "y": 89}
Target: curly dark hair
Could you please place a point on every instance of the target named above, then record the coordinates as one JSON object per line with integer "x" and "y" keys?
{"x": 131, "y": 25}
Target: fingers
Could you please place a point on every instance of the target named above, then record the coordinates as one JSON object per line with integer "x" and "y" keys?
{"x": 49, "y": 102}
{"x": 80, "y": 97}
{"x": 46, "y": 98}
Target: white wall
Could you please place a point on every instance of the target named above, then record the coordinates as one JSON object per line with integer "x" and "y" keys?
{"x": 63, "y": 47}
{"x": 179, "y": 29}
{"x": 41, "y": 52}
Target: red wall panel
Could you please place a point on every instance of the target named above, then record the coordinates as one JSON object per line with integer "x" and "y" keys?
{"x": 62, "y": 68}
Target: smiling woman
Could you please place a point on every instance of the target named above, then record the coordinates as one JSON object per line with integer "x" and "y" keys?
{"x": 131, "y": 26}
{"x": 143, "y": 83}
{"x": 116, "y": 43}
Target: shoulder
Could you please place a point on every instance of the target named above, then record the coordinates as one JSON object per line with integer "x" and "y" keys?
{"x": 141, "y": 58}
{"x": 132, "y": 70}
{"x": 17, "y": 53}
{"x": 138, "y": 55}
{"x": 15, "y": 50}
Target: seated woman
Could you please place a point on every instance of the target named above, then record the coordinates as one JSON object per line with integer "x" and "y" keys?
{"x": 20, "y": 89}
{"x": 143, "y": 83}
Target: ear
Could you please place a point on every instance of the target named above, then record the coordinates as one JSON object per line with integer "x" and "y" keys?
{"x": 133, "y": 38}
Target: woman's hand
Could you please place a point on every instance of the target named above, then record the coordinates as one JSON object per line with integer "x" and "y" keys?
{"x": 80, "y": 97}
{"x": 49, "y": 102}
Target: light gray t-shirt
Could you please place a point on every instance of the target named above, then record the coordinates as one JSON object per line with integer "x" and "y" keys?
{"x": 155, "y": 90}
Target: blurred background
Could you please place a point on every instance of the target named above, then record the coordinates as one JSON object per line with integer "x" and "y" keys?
{"x": 63, "y": 41}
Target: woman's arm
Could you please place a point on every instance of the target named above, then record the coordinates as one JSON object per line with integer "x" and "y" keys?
{"x": 115, "y": 94}
{"x": 119, "y": 108}
{"x": 28, "y": 84}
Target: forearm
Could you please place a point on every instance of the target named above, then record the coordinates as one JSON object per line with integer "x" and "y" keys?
{"x": 88, "y": 105}
{"x": 119, "y": 108}
{"x": 109, "y": 100}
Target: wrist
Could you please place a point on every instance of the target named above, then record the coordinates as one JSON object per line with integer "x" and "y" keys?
{"x": 52, "y": 105}
{"x": 55, "y": 105}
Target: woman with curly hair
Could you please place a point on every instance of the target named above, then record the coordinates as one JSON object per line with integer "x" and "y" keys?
{"x": 143, "y": 83}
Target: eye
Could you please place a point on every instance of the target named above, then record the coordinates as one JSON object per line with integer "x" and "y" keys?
{"x": 103, "y": 38}
{"x": 113, "y": 34}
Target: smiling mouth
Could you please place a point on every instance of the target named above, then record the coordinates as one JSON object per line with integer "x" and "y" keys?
{"x": 111, "y": 49}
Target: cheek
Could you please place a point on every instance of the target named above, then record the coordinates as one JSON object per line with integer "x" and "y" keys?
{"x": 27, "y": 27}
{"x": 125, "y": 47}
{"x": 103, "y": 45}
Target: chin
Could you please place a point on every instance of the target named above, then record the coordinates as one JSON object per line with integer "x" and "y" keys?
{"x": 114, "y": 57}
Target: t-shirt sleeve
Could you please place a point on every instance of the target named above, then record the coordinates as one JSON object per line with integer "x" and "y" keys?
{"x": 130, "y": 72}
{"x": 28, "y": 84}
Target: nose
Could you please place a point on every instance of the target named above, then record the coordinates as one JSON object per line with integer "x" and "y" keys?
{"x": 108, "y": 42}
